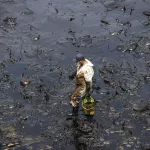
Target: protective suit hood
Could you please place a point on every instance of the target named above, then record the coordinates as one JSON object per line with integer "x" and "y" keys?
{"x": 89, "y": 63}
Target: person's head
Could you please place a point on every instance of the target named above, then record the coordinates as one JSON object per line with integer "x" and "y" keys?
{"x": 79, "y": 58}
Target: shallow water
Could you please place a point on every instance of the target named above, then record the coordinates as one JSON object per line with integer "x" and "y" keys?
{"x": 40, "y": 39}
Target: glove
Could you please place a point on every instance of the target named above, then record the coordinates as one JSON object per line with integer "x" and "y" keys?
{"x": 72, "y": 76}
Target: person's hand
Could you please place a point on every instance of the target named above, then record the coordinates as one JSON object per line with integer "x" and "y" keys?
{"x": 72, "y": 103}
{"x": 72, "y": 76}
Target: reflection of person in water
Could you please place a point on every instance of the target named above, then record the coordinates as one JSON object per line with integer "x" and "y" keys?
{"x": 84, "y": 74}
{"x": 84, "y": 132}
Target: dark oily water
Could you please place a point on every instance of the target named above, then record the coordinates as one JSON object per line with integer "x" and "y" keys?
{"x": 38, "y": 41}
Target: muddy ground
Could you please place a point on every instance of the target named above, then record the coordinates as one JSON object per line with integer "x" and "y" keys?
{"x": 40, "y": 38}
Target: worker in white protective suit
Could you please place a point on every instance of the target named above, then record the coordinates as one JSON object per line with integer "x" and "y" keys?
{"x": 84, "y": 74}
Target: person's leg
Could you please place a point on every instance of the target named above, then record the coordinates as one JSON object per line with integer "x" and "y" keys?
{"x": 74, "y": 100}
{"x": 74, "y": 111}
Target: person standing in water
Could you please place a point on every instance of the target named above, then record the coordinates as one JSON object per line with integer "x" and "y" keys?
{"x": 84, "y": 74}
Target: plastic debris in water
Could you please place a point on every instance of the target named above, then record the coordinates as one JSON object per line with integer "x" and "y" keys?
{"x": 10, "y": 21}
{"x": 146, "y": 13}
{"x": 10, "y": 145}
{"x": 105, "y": 22}
{"x": 28, "y": 12}
{"x": 24, "y": 81}
{"x": 116, "y": 33}
{"x": 37, "y": 38}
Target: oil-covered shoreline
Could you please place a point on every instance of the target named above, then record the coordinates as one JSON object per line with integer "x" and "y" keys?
{"x": 40, "y": 39}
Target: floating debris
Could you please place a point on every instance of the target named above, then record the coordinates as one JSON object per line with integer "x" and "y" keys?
{"x": 140, "y": 106}
{"x": 127, "y": 47}
{"x": 122, "y": 23}
{"x": 146, "y": 23}
{"x": 121, "y": 48}
{"x": 24, "y": 81}
{"x": 131, "y": 11}
{"x": 147, "y": 45}
{"x": 145, "y": 146}
{"x": 132, "y": 46}
{"x": 118, "y": 81}
{"x": 106, "y": 142}
{"x": 124, "y": 9}
{"x": 146, "y": 78}
{"x": 144, "y": 44}
{"x": 11, "y": 145}
{"x": 105, "y": 22}
{"x": 146, "y": 13}
{"x": 71, "y": 19}
{"x": 28, "y": 12}
{"x": 116, "y": 33}
{"x": 7, "y": 1}
{"x": 81, "y": 41}
{"x": 37, "y": 38}
{"x": 10, "y": 21}
{"x": 56, "y": 10}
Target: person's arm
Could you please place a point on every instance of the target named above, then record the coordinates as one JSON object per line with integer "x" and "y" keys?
{"x": 88, "y": 89}
{"x": 89, "y": 86}
{"x": 88, "y": 75}
{"x": 73, "y": 74}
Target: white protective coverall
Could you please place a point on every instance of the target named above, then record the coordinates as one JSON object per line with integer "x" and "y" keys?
{"x": 84, "y": 77}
